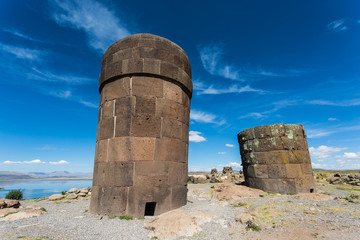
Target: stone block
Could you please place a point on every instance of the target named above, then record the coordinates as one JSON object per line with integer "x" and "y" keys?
{"x": 261, "y": 171}
{"x": 287, "y": 186}
{"x": 178, "y": 196}
{"x": 269, "y": 144}
{"x": 293, "y": 171}
{"x": 142, "y": 148}
{"x": 262, "y": 131}
{"x": 119, "y": 174}
{"x": 259, "y": 157}
{"x": 109, "y": 201}
{"x": 250, "y": 171}
{"x": 108, "y": 109}
{"x": 255, "y": 183}
{"x": 172, "y": 91}
{"x": 122, "y": 54}
{"x": 99, "y": 114}
{"x": 113, "y": 69}
{"x": 119, "y": 149}
{"x": 125, "y": 107}
{"x": 270, "y": 185}
{"x": 132, "y": 65}
{"x": 106, "y": 128}
{"x": 101, "y": 150}
{"x": 145, "y": 125}
{"x": 152, "y": 66}
{"x": 168, "y": 69}
{"x": 145, "y": 105}
{"x": 277, "y": 171}
{"x": 147, "y": 86}
{"x": 152, "y": 168}
{"x": 115, "y": 89}
{"x": 277, "y": 157}
{"x": 306, "y": 169}
{"x": 277, "y": 130}
{"x": 288, "y": 143}
{"x": 173, "y": 128}
{"x": 170, "y": 109}
{"x": 300, "y": 143}
{"x": 122, "y": 126}
{"x": 178, "y": 173}
{"x": 169, "y": 149}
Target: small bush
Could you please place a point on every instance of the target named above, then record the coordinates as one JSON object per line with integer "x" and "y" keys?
{"x": 125, "y": 217}
{"x": 43, "y": 209}
{"x": 251, "y": 225}
{"x": 63, "y": 192}
{"x": 15, "y": 194}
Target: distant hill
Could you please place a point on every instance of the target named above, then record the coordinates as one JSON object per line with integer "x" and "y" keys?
{"x": 7, "y": 175}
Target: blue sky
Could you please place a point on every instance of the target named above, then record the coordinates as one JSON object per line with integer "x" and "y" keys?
{"x": 253, "y": 63}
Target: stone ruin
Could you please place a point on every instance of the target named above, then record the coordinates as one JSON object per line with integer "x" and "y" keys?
{"x": 141, "y": 157}
{"x": 276, "y": 158}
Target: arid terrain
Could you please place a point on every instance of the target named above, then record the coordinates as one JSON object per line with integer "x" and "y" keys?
{"x": 224, "y": 210}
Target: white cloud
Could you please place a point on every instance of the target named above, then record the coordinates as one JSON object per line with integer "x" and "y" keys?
{"x": 59, "y": 162}
{"x": 337, "y": 25}
{"x": 47, "y": 76}
{"x": 200, "y": 89}
{"x": 316, "y": 133}
{"x": 203, "y": 117}
{"x": 100, "y": 24}
{"x": 195, "y": 136}
{"x": 349, "y": 160}
{"x": 35, "y": 161}
{"x": 23, "y": 53}
{"x": 88, "y": 104}
{"x": 210, "y": 56}
{"x": 235, "y": 165}
{"x": 324, "y": 151}
{"x": 221, "y": 153}
{"x": 332, "y": 119}
{"x": 229, "y": 145}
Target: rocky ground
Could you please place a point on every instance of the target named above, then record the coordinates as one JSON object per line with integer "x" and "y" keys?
{"x": 214, "y": 211}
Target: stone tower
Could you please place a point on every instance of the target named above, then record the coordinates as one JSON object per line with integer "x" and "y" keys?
{"x": 141, "y": 158}
{"x": 276, "y": 158}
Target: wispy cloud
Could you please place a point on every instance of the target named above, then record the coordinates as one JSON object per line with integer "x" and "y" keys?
{"x": 18, "y": 34}
{"x": 195, "y": 136}
{"x": 61, "y": 94}
{"x": 200, "y": 88}
{"x": 276, "y": 106}
{"x": 100, "y": 24}
{"x": 337, "y": 25}
{"x": 35, "y": 161}
{"x": 210, "y": 56}
{"x": 235, "y": 165}
{"x": 332, "y": 119}
{"x": 23, "y": 53}
{"x": 204, "y": 117}
{"x": 47, "y": 76}
{"x": 229, "y": 145}
{"x": 61, "y": 162}
{"x": 313, "y": 132}
{"x": 317, "y": 133}
{"x": 344, "y": 103}
{"x": 88, "y": 104}
{"x": 221, "y": 153}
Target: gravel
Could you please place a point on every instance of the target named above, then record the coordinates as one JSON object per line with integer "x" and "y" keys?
{"x": 279, "y": 217}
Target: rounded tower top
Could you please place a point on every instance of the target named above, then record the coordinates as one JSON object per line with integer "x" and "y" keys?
{"x": 146, "y": 54}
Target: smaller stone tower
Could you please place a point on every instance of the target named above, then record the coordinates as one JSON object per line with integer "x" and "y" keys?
{"x": 276, "y": 158}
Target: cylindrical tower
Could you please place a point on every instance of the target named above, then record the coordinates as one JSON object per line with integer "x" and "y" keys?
{"x": 141, "y": 158}
{"x": 276, "y": 158}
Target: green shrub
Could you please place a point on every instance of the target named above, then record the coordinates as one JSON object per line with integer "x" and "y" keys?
{"x": 15, "y": 194}
{"x": 63, "y": 192}
{"x": 125, "y": 217}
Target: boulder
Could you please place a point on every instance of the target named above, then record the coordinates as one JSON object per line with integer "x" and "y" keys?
{"x": 233, "y": 191}
{"x": 243, "y": 218}
{"x": 214, "y": 171}
{"x": 74, "y": 190}
{"x": 72, "y": 196}
{"x": 12, "y": 203}
{"x": 84, "y": 190}
{"x": 214, "y": 179}
{"x": 81, "y": 194}
{"x": 228, "y": 170}
{"x": 56, "y": 197}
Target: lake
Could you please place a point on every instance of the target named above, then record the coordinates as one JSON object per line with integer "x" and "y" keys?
{"x": 42, "y": 188}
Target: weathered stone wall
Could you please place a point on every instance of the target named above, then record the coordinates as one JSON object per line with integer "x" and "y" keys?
{"x": 276, "y": 158}
{"x": 142, "y": 138}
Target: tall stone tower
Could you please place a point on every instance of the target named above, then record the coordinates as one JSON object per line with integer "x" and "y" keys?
{"x": 276, "y": 158}
{"x": 141, "y": 158}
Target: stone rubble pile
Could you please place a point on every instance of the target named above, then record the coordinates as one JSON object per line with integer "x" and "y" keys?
{"x": 73, "y": 193}
{"x": 227, "y": 175}
{"x": 348, "y": 179}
